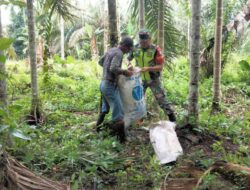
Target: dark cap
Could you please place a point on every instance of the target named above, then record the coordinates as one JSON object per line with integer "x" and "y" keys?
{"x": 127, "y": 41}
{"x": 144, "y": 34}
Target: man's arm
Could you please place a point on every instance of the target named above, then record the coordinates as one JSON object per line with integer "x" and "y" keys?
{"x": 158, "y": 59}
{"x": 115, "y": 66}
{"x": 154, "y": 68}
{"x": 101, "y": 60}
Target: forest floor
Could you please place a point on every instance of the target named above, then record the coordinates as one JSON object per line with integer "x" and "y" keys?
{"x": 66, "y": 147}
{"x": 188, "y": 172}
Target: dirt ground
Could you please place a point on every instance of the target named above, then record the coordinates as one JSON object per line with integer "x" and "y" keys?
{"x": 188, "y": 173}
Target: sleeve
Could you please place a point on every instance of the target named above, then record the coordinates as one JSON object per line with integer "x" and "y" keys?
{"x": 115, "y": 66}
{"x": 159, "y": 57}
{"x": 101, "y": 60}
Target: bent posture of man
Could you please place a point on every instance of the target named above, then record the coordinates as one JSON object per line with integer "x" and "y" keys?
{"x": 111, "y": 63}
{"x": 150, "y": 59}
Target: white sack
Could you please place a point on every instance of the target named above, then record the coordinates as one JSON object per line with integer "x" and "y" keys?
{"x": 165, "y": 142}
{"x": 131, "y": 92}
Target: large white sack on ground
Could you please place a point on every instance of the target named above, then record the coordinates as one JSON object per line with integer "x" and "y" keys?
{"x": 165, "y": 141}
{"x": 131, "y": 92}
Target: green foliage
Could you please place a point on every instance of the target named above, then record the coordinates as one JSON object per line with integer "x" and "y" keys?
{"x": 67, "y": 146}
{"x": 57, "y": 59}
{"x": 176, "y": 74}
{"x": 230, "y": 9}
{"x": 62, "y": 8}
{"x": 245, "y": 42}
{"x": 5, "y": 43}
{"x": 172, "y": 45}
{"x": 19, "y": 3}
{"x": 207, "y": 182}
{"x": 18, "y": 31}
{"x": 9, "y": 127}
{"x": 245, "y": 70}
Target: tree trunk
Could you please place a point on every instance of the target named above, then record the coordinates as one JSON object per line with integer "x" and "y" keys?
{"x": 94, "y": 48}
{"x": 3, "y": 90}
{"x": 113, "y": 33}
{"x": 217, "y": 57}
{"x": 188, "y": 36}
{"x": 161, "y": 25}
{"x": 118, "y": 11}
{"x": 142, "y": 14}
{"x": 62, "y": 37}
{"x": 193, "y": 111}
{"x": 35, "y": 112}
{"x": 105, "y": 27}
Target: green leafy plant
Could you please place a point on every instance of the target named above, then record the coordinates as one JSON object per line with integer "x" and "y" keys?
{"x": 9, "y": 127}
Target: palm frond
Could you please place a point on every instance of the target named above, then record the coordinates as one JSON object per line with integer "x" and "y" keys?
{"x": 171, "y": 34}
{"x": 61, "y": 7}
{"x": 76, "y": 36}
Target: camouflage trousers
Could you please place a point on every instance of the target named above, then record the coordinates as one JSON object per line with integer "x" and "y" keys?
{"x": 159, "y": 94}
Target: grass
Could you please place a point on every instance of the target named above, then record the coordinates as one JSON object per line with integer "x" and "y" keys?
{"x": 67, "y": 148}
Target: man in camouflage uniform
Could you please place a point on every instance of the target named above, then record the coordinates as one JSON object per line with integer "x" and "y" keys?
{"x": 150, "y": 60}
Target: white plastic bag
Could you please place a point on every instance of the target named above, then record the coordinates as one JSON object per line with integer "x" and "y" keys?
{"x": 165, "y": 142}
{"x": 131, "y": 92}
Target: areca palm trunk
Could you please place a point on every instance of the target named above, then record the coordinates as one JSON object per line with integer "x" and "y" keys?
{"x": 35, "y": 111}
{"x": 62, "y": 37}
{"x": 161, "y": 24}
{"x": 94, "y": 48}
{"x": 113, "y": 32}
{"x": 217, "y": 57}
{"x": 193, "y": 110}
{"x": 3, "y": 90}
{"x": 105, "y": 26}
{"x": 141, "y": 14}
{"x": 118, "y": 12}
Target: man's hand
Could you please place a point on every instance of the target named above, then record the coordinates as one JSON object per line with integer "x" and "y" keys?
{"x": 131, "y": 68}
{"x": 154, "y": 68}
{"x": 144, "y": 69}
{"x": 128, "y": 73}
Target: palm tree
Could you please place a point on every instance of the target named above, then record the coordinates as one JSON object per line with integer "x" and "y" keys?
{"x": 105, "y": 27}
{"x": 193, "y": 110}
{"x": 35, "y": 109}
{"x": 63, "y": 9}
{"x": 160, "y": 37}
{"x": 91, "y": 28}
{"x": 171, "y": 34}
{"x": 3, "y": 91}
{"x": 142, "y": 14}
{"x": 217, "y": 57}
{"x": 113, "y": 32}
{"x": 62, "y": 37}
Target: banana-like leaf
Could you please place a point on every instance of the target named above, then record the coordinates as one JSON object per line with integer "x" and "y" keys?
{"x": 5, "y": 43}
{"x": 75, "y": 36}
